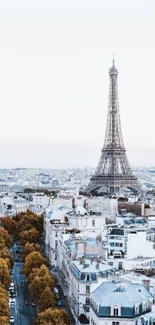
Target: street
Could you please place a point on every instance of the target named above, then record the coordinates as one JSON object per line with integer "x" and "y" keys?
{"x": 22, "y": 313}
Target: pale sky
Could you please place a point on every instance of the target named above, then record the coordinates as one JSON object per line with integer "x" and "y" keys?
{"x": 54, "y": 62}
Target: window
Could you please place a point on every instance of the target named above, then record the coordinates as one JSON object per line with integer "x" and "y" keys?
{"x": 56, "y": 245}
{"x": 83, "y": 276}
{"x": 115, "y": 323}
{"x": 115, "y": 311}
{"x": 56, "y": 234}
{"x": 118, "y": 244}
{"x": 87, "y": 289}
{"x": 93, "y": 223}
{"x": 87, "y": 301}
{"x": 88, "y": 277}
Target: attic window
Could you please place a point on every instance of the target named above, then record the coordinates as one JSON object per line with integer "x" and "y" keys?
{"x": 115, "y": 312}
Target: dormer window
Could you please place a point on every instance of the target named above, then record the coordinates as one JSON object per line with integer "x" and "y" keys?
{"x": 115, "y": 311}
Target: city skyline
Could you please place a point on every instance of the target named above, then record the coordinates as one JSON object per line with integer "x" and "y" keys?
{"x": 54, "y": 62}
{"x": 72, "y": 155}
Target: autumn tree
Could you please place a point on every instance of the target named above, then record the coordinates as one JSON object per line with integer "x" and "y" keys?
{"x": 46, "y": 299}
{"x": 4, "y": 302}
{"x": 2, "y": 243}
{"x": 26, "y": 226}
{"x": 3, "y": 291}
{"x": 10, "y": 225}
{"x": 40, "y": 272}
{"x": 31, "y": 247}
{"x": 54, "y": 316}
{"x": 31, "y": 218}
{"x": 4, "y": 320}
{"x": 4, "y": 307}
{"x": 32, "y": 261}
{"x": 39, "y": 284}
{"x": 5, "y": 254}
{"x": 7, "y": 238}
{"x": 4, "y": 273}
{"x": 31, "y": 236}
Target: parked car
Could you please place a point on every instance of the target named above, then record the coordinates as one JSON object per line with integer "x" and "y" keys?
{"x": 12, "y": 294}
{"x": 12, "y": 302}
{"x": 56, "y": 290}
{"x": 33, "y": 304}
{"x": 17, "y": 259}
{"x": 60, "y": 303}
{"x": 57, "y": 295}
{"x": 12, "y": 286}
{"x": 12, "y": 320}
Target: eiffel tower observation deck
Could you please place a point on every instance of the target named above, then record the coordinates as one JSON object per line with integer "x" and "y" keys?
{"x": 113, "y": 170}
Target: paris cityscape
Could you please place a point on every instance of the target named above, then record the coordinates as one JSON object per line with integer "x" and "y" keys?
{"x": 77, "y": 181}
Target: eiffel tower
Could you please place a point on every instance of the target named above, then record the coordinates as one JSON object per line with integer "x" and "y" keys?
{"x": 113, "y": 170}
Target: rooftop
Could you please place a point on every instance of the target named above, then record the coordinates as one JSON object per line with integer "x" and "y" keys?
{"x": 92, "y": 266}
{"x": 122, "y": 294}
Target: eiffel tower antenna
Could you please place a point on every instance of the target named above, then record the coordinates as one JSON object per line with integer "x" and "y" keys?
{"x": 113, "y": 60}
{"x": 113, "y": 170}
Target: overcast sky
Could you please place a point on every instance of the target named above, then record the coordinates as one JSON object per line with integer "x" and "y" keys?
{"x": 54, "y": 62}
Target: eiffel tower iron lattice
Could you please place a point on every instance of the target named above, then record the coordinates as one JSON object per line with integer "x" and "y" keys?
{"x": 113, "y": 170}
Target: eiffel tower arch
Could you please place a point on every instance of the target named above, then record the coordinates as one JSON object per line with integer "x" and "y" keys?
{"x": 113, "y": 170}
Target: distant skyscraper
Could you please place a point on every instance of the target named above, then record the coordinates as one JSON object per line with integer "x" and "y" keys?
{"x": 113, "y": 170}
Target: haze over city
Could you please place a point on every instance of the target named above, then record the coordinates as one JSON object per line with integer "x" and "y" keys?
{"x": 54, "y": 62}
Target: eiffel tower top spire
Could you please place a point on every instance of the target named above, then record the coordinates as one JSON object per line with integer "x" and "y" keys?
{"x": 113, "y": 70}
{"x": 113, "y": 136}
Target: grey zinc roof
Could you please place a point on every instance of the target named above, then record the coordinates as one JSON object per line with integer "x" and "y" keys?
{"x": 91, "y": 267}
{"x": 121, "y": 294}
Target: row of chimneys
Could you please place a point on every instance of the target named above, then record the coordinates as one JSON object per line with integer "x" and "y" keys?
{"x": 85, "y": 204}
{"x": 82, "y": 261}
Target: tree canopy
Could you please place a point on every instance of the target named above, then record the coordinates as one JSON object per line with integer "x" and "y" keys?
{"x": 6, "y": 237}
{"x": 46, "y": 299}
{"x": 54, "y": 316}
{"x": 4, "y": 320}
{"x": 4, "y": 273}
{"x": 31, "y": 236}
{"x": 10, "y": 225}
{"x": 32, "y": 261}
{"x": 31, "y": 247}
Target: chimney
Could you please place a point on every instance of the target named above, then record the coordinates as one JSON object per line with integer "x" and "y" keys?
{"x": 97, "y": 266}
{"x": 73, "y": 202}
{"x": 85, "y": 204}
{"x": 81, "y": 261}
{"x": 146, "y": 284}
